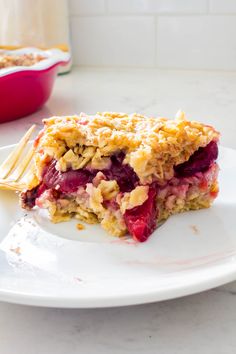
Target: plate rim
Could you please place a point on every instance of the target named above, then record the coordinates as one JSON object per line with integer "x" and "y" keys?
{"x": 121, "y": 300}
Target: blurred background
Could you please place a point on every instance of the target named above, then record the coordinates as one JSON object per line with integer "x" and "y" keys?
{"x": 172, "y": 34}
{"x": 179, "y": 34}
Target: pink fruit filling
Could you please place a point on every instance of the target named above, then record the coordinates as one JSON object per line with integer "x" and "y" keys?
{"x": 140, "y": 221}
{"x": 200, "y": 161}
{"x": 122, "y": 173}
{"x": 69, "y": 181}
{"x": 65, "y": 182}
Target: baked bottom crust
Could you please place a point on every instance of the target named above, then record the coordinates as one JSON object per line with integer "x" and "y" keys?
{"x": 128, "y": 173}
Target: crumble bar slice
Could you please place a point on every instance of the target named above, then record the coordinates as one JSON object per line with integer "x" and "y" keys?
{"x": 128, "y": 172}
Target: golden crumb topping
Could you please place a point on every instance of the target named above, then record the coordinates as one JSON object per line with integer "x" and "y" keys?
{"x": 152, "y": 145}
{"x": 7, "y": 61}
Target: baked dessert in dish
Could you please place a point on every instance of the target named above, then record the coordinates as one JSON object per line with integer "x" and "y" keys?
{"x": 7, "y": 60}
{"x": 128, "y": 172}
{"x": 27, "y": 76}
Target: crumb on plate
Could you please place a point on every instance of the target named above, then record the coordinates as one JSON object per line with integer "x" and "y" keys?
{"x": 16, "y": 250}
{"x": 80, "y": 226}
{"x": 195, "y": 229}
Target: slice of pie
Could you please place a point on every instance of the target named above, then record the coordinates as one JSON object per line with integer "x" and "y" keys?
{"x": 128, "y": 172}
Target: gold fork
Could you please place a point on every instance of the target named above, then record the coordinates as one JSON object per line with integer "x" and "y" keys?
{"x": 17, "y": 167}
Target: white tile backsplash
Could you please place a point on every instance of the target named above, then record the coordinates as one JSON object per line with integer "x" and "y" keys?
{"x": 86, "y": 7}
{"x": 157, "y": 6}
{"x": 222, "y": 6}
{"x": 186, "y": 34}
{"x": 107, "y": 41}
{"x": 200, "y": 42}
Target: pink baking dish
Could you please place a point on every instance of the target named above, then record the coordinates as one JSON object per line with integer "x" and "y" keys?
{"x": 23, "y": 90}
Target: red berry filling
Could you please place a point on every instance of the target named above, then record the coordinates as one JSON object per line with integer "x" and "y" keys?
{"x": 71, "y": 180}
{"x": 200, "y": 161}
{"x": 65, "y": 182}
{"x": 123, "y": 174}
{"x": 141, "y": 220}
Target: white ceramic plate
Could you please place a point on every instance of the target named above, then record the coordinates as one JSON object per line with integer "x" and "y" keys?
{"x": 57, "y": 265}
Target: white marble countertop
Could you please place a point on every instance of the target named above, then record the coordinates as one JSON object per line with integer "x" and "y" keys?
{"x": 203, "y": 323}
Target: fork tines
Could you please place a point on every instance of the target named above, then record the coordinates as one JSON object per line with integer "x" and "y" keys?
{"x": 17, "y": 164}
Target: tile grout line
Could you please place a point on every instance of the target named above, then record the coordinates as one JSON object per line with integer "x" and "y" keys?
{"x": 125, "y": 15}
{"x": 149, "y": 68}
{"x": 155, "y": 38}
